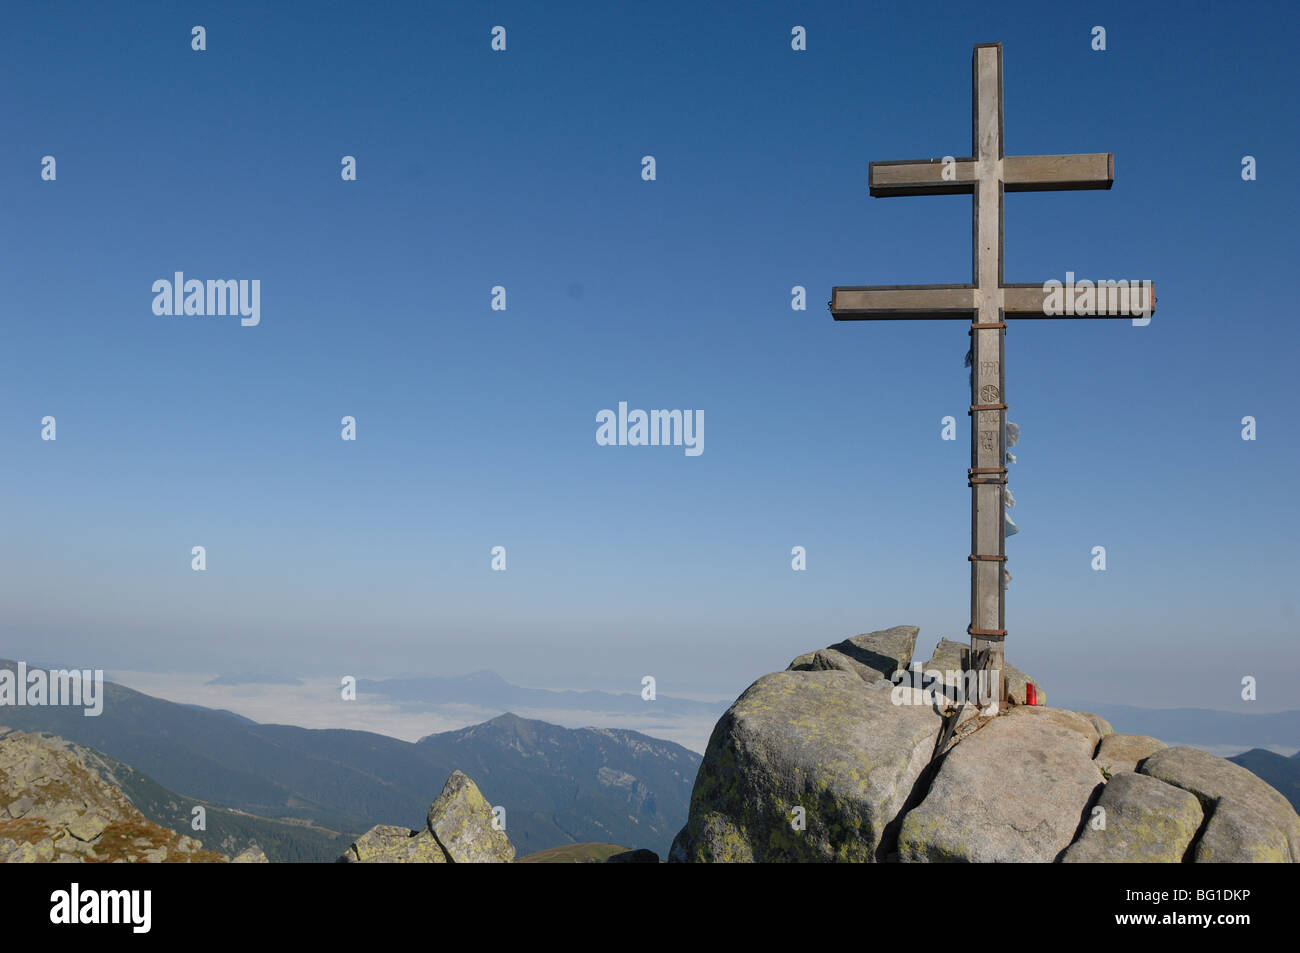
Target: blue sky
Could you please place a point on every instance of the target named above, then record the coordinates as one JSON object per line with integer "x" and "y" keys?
{"x": 476, "y": 427}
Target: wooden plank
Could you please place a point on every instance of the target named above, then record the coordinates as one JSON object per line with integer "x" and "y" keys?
{"x": 920, "y": 177}
{"x": 885, "y": 302}
{"x": 988, "y": 427}
{"x": 1062, "y": 173}
{"x": 987, "y": 145}
{"x": 893, "y": 302}
{"x": 1058, "y": 173}
{"x": 1110, "y": 299}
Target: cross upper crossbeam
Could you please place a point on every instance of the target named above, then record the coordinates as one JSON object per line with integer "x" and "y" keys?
{"x": 986, "y": 176}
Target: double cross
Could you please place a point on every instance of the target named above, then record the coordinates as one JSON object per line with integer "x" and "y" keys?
{"x": 987, "y": 303}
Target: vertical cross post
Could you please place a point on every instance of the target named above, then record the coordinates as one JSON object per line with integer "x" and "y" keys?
{"x": 988, "y": 471}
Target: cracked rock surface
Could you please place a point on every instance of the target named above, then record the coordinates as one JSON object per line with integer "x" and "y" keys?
{"x": 460, "y": 829}
{"x": 831, "y": 761}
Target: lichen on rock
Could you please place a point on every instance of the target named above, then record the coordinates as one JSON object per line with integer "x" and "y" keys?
{"x": 827, "y": 761}
{"x": 807, "y": 766}
{"x": 56, "y": 808}
{"x": 460, "y": 828}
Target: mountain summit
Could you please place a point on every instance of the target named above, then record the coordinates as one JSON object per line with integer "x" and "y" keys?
{"x": 830, "y": 760}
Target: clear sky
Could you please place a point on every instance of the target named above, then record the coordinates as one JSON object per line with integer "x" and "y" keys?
{"x": 476, "y": 428}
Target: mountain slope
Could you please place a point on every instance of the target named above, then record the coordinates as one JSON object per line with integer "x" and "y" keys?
{"x": 58, "y": 808}
{"x": 348, "y": 781}
{"x": 631, "y": 788}
{"x": 284, "y": 840}
{"x": 1282, "y": 773}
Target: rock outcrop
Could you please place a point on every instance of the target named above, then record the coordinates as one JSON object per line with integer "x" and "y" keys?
{"x": 1125, "y": 752}
{"x": 872, "y": 656}
{"x": 949, "y": 656}
{"x": 462, "y": 821}
{"x": 55, "y": 808}
{"x": 460, "y": 829}
{"x": 386, "y": 844}
{"x": 832, "y": 760}
{"x": 1016, "y": 790}
{"x": 250, "y": 855}
{"x": 1246, "y": 819}
{"x": 1146, "y": 821}
{"x": 808, "y": 766}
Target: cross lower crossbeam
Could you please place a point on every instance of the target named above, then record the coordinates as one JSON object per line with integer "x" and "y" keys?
{"x": 1106, "y": 299}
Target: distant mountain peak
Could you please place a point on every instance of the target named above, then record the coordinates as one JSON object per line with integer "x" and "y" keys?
{"x": 486, "y": 689}
{"x": 484, "y": 676}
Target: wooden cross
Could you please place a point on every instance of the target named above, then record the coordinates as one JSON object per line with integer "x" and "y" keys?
{"x": 987, "y": 303}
